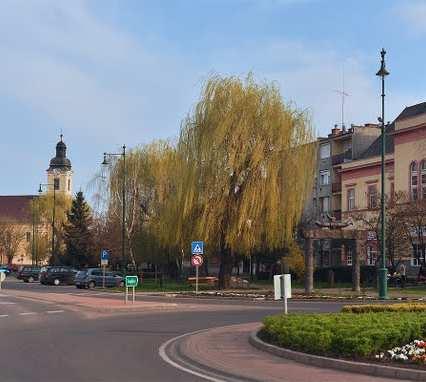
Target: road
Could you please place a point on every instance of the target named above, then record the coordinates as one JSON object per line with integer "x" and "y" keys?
{"x": 45, "y": 340}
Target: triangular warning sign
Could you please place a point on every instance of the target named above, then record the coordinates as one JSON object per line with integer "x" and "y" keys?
{"x": 197, "y": 249}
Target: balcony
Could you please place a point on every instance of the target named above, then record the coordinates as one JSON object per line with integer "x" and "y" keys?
{"x": 336, "y": 187}
{"x": 340, "y": 158}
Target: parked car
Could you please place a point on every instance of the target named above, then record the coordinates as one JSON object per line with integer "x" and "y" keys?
{"x": 93, "y": 277}
{"x": 5, "y": 269}
{"x": 57, "y": 275}
{"x": 28, "y": 274}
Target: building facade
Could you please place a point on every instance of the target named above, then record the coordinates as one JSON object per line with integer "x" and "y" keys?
{"x": 18, "y": 221}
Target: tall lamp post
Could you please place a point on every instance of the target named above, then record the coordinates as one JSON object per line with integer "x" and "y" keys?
{"x": 106, "y": 162}
{"x": 40, "y": 190}
{"x": 383, "y": 272}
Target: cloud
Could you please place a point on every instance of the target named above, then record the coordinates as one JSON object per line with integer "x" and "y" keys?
{"x": 413, "y": 14}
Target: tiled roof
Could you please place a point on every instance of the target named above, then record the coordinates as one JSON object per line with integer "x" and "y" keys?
{"x": 412, "y": 111}
{"x": 375, "y": 149}
{"x": 16, "y": 208}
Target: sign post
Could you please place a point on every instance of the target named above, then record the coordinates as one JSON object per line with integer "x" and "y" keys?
{"x": 104, "y": 264}
{"x": 2, "y": 277}
{"x": 197, "y": 250}
{"x": 282, "y": 289}
{"x": 131, "y": 282}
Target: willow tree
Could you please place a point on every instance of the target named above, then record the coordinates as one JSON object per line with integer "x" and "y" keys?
{"x": 248, "y": 168}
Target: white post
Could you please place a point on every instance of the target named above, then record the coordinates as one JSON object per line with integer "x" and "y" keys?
{"x": 284, "y": 295}
{"x": 127, "y": 294}
{"x": 103, "y": 278}
{"x": 196, "y": 279}
{"x": 133, "y": 295}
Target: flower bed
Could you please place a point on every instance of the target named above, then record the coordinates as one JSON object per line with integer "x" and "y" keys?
{"x": 357, "y": 336}
{"x": 414, "y": 352}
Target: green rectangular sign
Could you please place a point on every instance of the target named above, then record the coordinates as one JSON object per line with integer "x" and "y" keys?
{"x": 131, "y": 281}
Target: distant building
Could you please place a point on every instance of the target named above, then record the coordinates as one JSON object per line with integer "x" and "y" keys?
{"x": 16, "y": 209}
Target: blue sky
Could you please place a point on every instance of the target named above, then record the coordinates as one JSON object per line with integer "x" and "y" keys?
{"x": 108, "y": 72}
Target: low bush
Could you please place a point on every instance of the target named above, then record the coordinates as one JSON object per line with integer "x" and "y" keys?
{"x": 369, "y": 308}
{"x": 344, "y": 334}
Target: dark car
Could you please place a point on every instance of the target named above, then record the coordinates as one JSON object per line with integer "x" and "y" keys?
{"x": 28, "y": 274}
{"x": 5, "y": 269}
{"x": 93, "y": 277}
{"x": 57, "y": 275}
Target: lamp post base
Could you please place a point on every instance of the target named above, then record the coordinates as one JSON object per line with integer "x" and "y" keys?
{"x": 383, "y": 283}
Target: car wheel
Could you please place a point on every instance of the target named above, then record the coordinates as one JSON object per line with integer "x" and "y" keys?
{"x": 79, "y": 287}
{"x": 121, "y": 285}
{"x": 30, "y": 279}
{"x": 25, "y": 280}
{"x": 91, "y": 285}
{"x": 56, "y": 282}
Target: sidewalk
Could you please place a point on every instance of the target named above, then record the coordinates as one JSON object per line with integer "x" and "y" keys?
{"x": 226, "y": 350}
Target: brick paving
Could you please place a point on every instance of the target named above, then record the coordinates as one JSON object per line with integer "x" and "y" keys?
{"x": 227, "y": 349}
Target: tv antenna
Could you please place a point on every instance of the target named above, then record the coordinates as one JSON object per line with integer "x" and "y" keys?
{"x": 342, "y": 94}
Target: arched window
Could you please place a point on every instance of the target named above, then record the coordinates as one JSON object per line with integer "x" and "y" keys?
{"x": 414, "y": 181}
{"x": 423, "y": 177}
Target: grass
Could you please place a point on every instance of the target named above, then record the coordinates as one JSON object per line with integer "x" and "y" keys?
{"x": 344, "y": 334}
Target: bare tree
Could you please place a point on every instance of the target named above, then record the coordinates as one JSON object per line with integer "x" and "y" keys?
{"x": 12, "y": 235}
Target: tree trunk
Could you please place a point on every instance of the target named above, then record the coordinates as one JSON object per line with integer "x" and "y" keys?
{"x": 309, "y": 266}
{"x": 225, "y": 269}
{"x": 356, "y": 273}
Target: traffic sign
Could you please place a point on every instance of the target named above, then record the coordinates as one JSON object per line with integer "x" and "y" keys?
{"x": 197, "y": 248}
{"x": 131, "y": 281}
{"x": 104, "y": 255}
{"x": 197, "y": 260}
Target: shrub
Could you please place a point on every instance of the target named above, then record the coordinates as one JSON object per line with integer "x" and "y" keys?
{"x": 368, "y": 308}
{"x": 344, "y": 334}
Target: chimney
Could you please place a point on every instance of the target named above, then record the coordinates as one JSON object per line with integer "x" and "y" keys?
{"x": 335, "y": 131}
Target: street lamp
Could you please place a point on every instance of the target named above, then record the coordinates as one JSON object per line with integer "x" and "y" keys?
{"x": 383, "y": 272}
{"x": 40, "y": 190}
{"x": 106, "y": 162}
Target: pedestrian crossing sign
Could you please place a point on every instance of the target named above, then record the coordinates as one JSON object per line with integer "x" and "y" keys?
{"x": 197, "y": 247}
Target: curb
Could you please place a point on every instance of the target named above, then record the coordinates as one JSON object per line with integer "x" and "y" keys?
{"x": 334, "y": 363}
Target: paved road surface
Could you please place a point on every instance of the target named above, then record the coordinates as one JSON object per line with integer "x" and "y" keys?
{"x": 42, "y": 340}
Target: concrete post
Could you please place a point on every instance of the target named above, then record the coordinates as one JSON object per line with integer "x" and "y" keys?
{"x": 356, "y": 271}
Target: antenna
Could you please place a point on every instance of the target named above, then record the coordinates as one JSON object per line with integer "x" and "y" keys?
{"x": 343, "y": 94}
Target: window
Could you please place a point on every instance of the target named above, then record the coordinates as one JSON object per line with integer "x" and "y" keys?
{"x": 351, "y": 199}
{"x": 325, "y": 151}
{"x": 325, "y": 204}
{"x": 423, "y": 177}
{"x": 413, "y": 181}
{"x": 56, "y": 183}
{"x": 349, "y": 256}
{"x": 28, "y": 236}
{"x": 416, "y": 256}
{"x": 69, "y": 184}
{"x": 371, "y": 255}
{"x": 324, "y": 177}
{"x": 372, "y": 197}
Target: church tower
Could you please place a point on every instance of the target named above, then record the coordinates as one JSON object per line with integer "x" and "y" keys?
{"x": 59, "y": 173}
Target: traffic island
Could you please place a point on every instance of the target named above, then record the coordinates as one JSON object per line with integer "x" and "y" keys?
{"x": 379, "y": 340}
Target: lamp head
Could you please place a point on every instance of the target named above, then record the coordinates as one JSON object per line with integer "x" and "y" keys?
{"x": 382, "y": 71}
{"x": 39, "y": 189}
{"x": 105, "y": 161}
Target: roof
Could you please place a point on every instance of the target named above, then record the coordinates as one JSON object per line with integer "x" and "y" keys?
{"x": 60, "y": 161}
{"x": 412, "y": 111}
{"x": 16, "y": 208}
{"x": 375, "y": 149}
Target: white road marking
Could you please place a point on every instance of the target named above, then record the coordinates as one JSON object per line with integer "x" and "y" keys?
{"x": 4, "y": 315}
{"x": 27, "y": 313}
{"x": 7, "y": 303}
{"x": 162, "y": 353}
{"x": 54, "y": 311}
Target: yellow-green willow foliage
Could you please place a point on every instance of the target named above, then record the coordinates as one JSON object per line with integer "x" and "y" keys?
{"x": 247, "y": 167}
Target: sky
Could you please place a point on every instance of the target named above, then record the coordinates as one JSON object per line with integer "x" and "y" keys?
{"x": 112, "y": 72}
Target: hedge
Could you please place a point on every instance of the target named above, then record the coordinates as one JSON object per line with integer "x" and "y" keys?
{"x": 368, "y": 308}
{"x": 344, "y": 334}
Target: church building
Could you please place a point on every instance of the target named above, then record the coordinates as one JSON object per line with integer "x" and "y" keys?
{"x": 18, "y": 224}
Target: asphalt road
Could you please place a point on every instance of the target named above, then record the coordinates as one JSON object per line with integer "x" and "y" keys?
{"x": 43, "y": 341}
